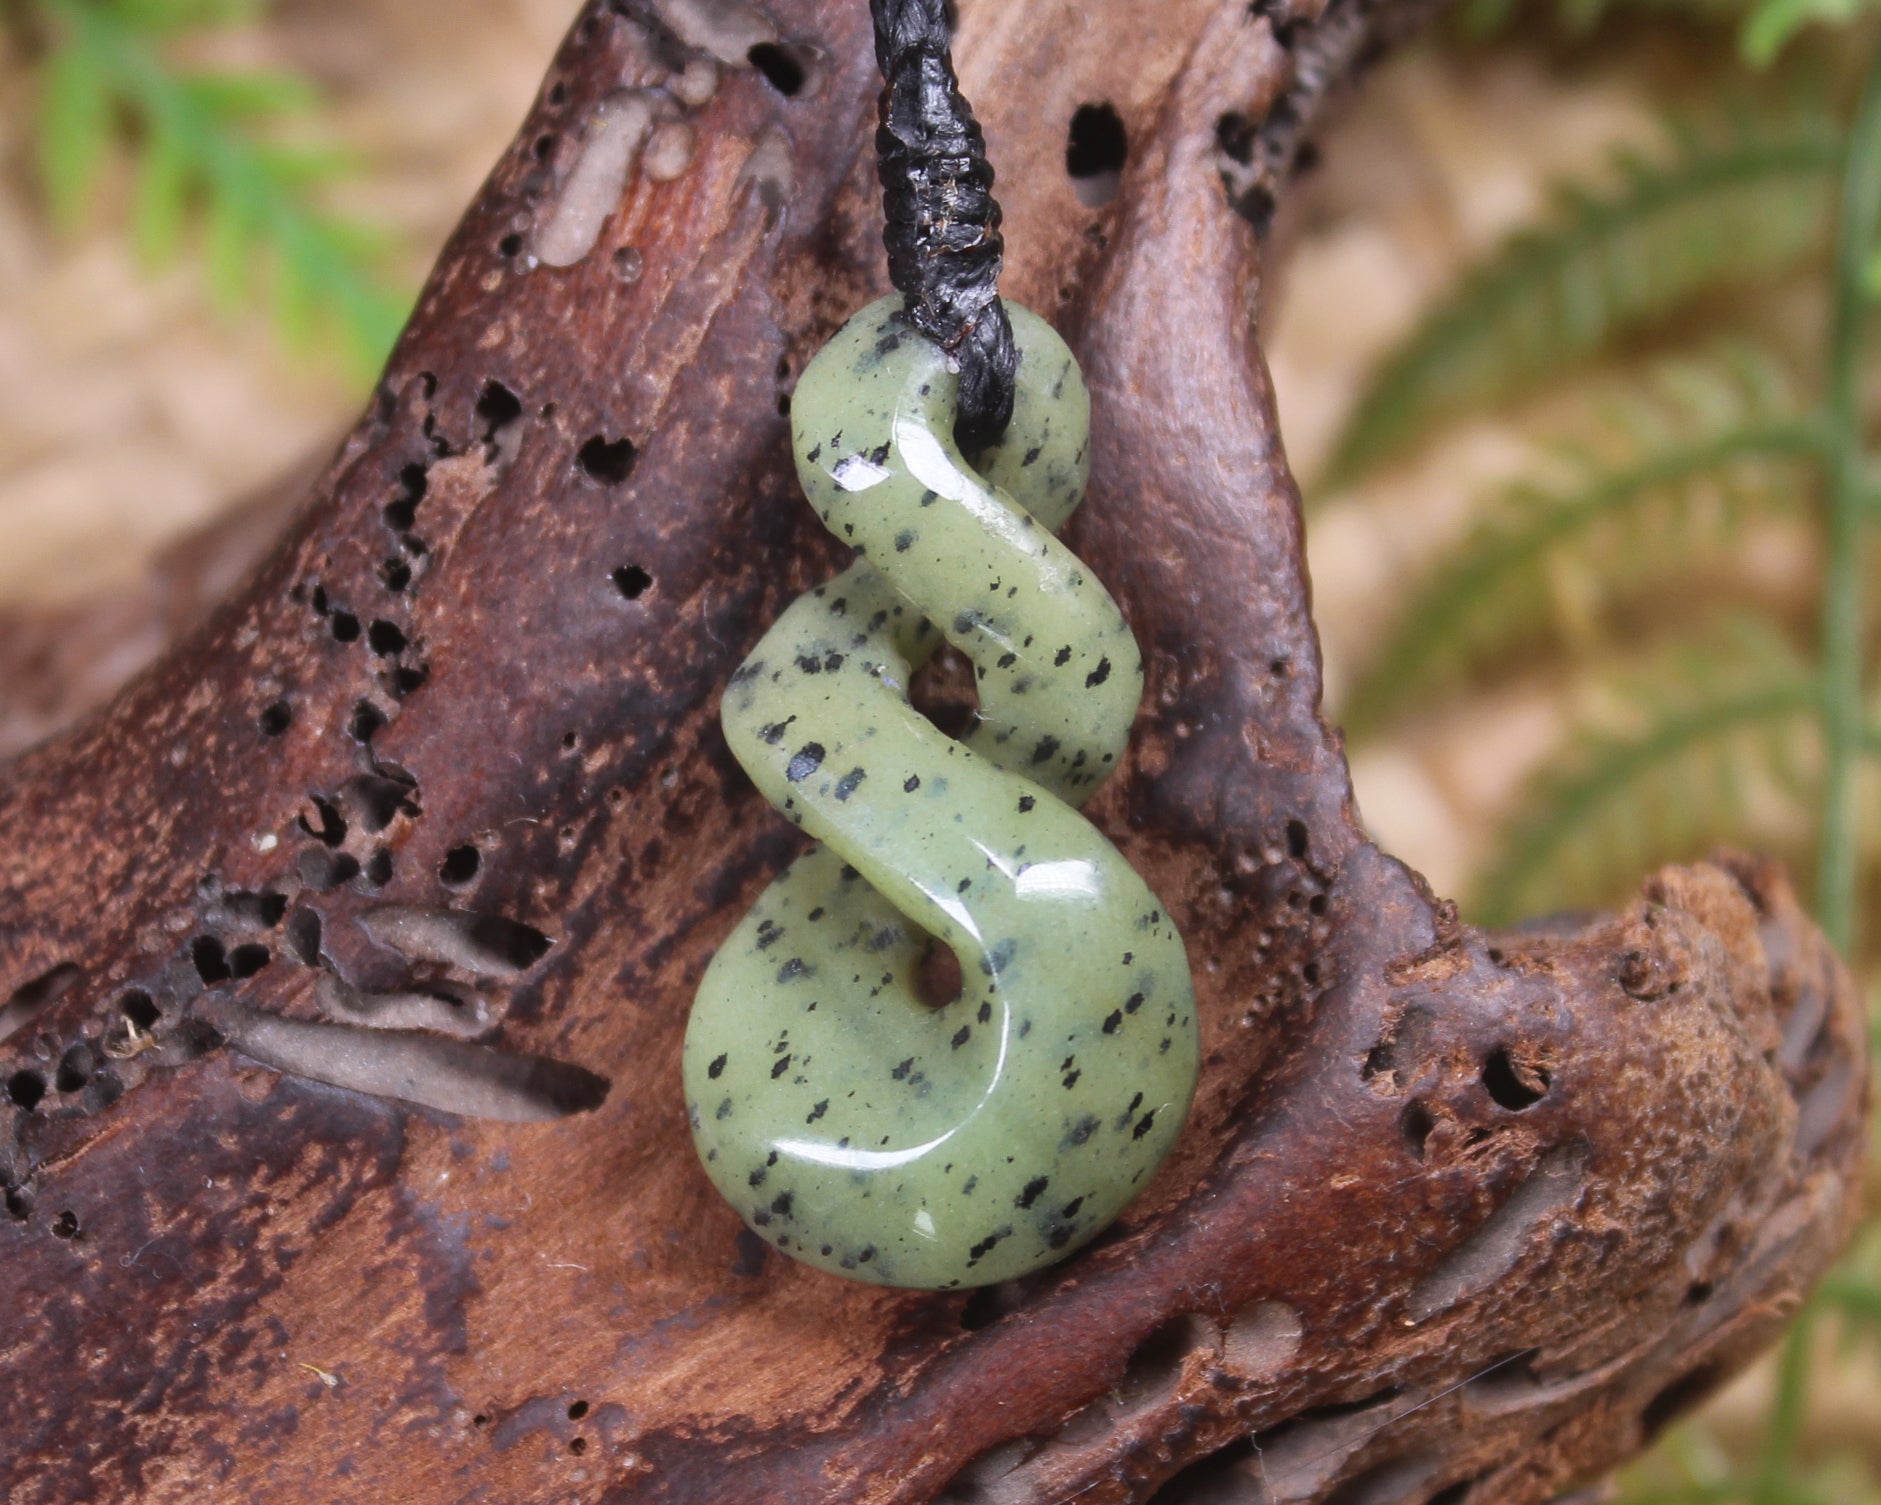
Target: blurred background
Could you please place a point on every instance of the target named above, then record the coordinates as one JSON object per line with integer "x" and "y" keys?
{"x": 1567, "y": 348}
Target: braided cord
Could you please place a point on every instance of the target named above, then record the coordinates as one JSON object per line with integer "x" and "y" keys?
{"x": 942, "y": 221}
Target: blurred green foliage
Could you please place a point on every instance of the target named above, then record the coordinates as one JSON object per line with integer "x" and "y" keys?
{"x": 236, "y": 160}
{"x": 1627, "y": 336}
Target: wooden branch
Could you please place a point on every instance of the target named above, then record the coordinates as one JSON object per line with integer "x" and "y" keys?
{"x": 435, "y": 809}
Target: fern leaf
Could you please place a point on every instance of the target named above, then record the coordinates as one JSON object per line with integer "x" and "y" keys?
{"x": 226, "y": 252}
{"x": 236, "y": 96}
{"x": 199, "y": 148}
{"x": 74, "y": 127}
{"x": 161, "y": 203}
{"x": 1679, "y": 461}
{"x": 1713, "y": 215}
{"x": 165, "y": 17}
{"x": 1688, "y": 770}
{"x": 1772, "y": 23}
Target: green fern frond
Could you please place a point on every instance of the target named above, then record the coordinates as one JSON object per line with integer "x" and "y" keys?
{"x": 1716, "y": 214}
{"x": 1708, "y": 739}
{"x": 1578, "y": 17}
{"x": 1665, "y": 482}
{"x": 167, "y": 17}
{"x": 200, "y": 156}
{"x": 1771, "y": 24}
{"x": 72, "y": 133}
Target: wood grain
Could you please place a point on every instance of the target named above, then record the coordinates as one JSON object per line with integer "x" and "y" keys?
{"x": 1458, "y": 1218}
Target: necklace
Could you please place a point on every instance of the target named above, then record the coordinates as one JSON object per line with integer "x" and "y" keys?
{"x": 852, "y": 1123}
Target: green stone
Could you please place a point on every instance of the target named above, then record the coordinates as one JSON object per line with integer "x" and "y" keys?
{"x": 851, "y": 1124}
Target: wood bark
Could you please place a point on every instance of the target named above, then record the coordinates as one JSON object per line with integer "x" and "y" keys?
{"x": 349, "y": 948}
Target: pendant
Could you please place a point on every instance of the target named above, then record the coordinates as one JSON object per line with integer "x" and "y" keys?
{"x": 853, "y": 1125}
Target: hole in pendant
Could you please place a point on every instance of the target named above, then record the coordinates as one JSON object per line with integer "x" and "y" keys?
{"x": 943, "y": 691}
{"x": 939, "y": 980}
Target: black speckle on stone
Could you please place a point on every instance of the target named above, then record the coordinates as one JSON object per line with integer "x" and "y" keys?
{"x": 1062, "y": 657}
{"x": 1047, "y": 747}
{"x": 1071, "y": 1079}
{"x": 1026, "y": 802}
{"x": 1135, "y": 1000}
{"x": 904, "y": 540}
{"x": 1144, "y": 1124}
{"x": 911, "y": 783}
{"x": 1070, "y": 1209}
{"x": 962, "y": 1035}
{"x": 780, "y": 1204}
{"x": 774, "y": 733}
{"x": 715, "y": 1068}
{"x": 818, "y": 1111}
{"x": 724, "y": 1109}
{"x": 804, "y": 762}
{"x": 1098, "y": 675}
{"x": 759, "y": 1176}
{"x": 1082, "y": 1130}
{"x": 1032, "y": 1192}
{"x": 1112, "y": 1022}
{"x": 792, "y": 969}
{"x": 809, "y": 663}
{"x": 900, "y": 1073}
{"x": 849, "y": 783}
{"x": 986, "y": 1012}
{"x": 779, "y": 1067}
{"x": 985, "y": 1246}
{"x": 999, "y": 958}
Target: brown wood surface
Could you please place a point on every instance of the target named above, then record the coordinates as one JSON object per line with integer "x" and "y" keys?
{"x": 1458, "y": 1218}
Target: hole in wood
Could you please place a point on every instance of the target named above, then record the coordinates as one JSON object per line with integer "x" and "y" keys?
{"x": 631, "y": 581}
{"x": 1096, "y": 148}
{"x": 1514, "y": 1084}
{"x": 607, "y": 461}
{"x": 36, "y": 995}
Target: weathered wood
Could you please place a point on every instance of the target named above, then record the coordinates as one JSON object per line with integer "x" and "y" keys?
{"x": 1458, "y": 1217}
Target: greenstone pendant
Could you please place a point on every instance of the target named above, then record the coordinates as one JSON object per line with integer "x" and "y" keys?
{"x": 851, "y": 1124}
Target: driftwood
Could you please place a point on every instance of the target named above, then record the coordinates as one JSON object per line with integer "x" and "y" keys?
{"x": 349, "y": 948}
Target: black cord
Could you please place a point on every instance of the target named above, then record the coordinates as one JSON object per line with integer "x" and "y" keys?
{"x": 942, "y": 222}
